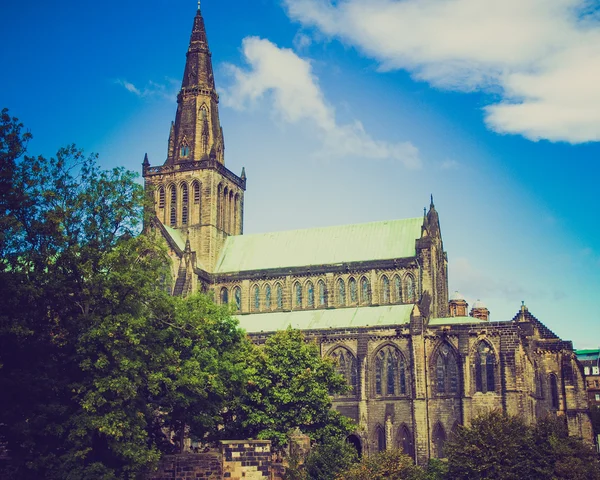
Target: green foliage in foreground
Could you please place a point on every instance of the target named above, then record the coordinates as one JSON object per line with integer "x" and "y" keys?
{"x": 386, "y": 465}
{"x": 326, "y": 460}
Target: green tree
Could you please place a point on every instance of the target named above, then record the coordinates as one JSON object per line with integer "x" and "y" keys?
{"x": 97, "y": 361}
{"x": 386, "y": 465}
{"x": 328, "y": 459}
{"x": 289, "y": 385}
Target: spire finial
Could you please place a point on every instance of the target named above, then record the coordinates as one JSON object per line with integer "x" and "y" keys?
{"x": 198, "y": 5}
{"x": 432, "y": 199}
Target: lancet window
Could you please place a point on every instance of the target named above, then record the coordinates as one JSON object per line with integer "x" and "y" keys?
{"x": 410, "y": 289}
{"x": 237, "y": 295}
{"x": 224, "y": 296}
{"x": 365, "y": 291}
{"x": 256, "y": 296}
{"x": 390, "y": 372}
{"x": 439, "y": 440}
{"x": 353, "y": 290}
{"x": 397, "y": 289}
{"x": 346, "y": 366}
{"x": 298, "y": 295}
{"x": 341, "y": 292}
{"x": 322, "y": 294}
{"x": 385, "y": 290}
{"x": 161, "y": 197}
{"x": 405, "y": 440}
{"x": 279, "y": 294}
{"x": 485, "y": 365}
{"x": 446, "y": 370}
{"x": 184, "y": 204}
{"x": 554, "y": 391}
{"x": 268, "y": 297}
{"x": 310, "y": 295}
{"x": 173, "y": 219}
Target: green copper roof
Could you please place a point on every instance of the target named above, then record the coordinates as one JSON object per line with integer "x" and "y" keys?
{"x": 325, "y": 319}
{"x": 455, "y": 321}
{"x": 177, "y": 236}
{"x": 321, "y": 246}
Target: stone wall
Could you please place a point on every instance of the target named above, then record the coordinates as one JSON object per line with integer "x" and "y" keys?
{"x": 208, "y": 466}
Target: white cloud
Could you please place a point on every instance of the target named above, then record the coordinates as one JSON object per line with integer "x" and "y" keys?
{"x": 542, "y": 56}
{"x": 302, "y": 41}
{"x": 289, "y": 82}
{"x": 167, "y": 90}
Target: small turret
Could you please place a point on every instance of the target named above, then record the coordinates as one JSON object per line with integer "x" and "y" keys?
{"x": 480, "y": 311}
{"x": 457, "y": 305}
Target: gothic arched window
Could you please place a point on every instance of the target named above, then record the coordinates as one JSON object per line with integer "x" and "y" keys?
{"x": 184, "y": 204}
{"x": 346, "y": 366}
{"x": 173, "y": 206}
{"x": 224, "y": 296}
{"x": 410, "y": 289}
{"x": 279, "y": 295}
{"x": 310, "y": 295}
{"x": 390, "y": 372}
{"x": 365, "y": 291}
{"x": 161, "y": 197}
{"x": 322, "y": 294}
{"x": 298, "y": 295}
{"x": 341, "y": 292}
{"x": 554, "y": 391}
{"x": 439, "y": 440}
{"x": 268, "y": 297}
{"x": 353, "y": 290}
{"x": 380, "y": 439}
{"x": 196, "y": 188}
{"x": 256, "y": 296}
{"x": 385, "y": 290}
{"x": 485, "y": 364}
{"x": 446, "y": 370}
{"x": 405, "y": 441}
{"x": 397, "y": 289}
{"x": 237, "y": 296}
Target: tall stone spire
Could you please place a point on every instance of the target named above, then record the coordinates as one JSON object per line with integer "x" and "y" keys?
{"x": 197, "y": 133}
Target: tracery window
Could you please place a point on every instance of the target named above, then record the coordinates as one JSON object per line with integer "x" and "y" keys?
{"x": 298, "y": 294}
{"x": 268, "y": 297}
{"x": 446, "y": 370}
{"x": 322, "y": 294}
{"x": 224, "y": 296}
{"x": 184, "y": 204}
{"x": 485, "y": 364}
{"x": 346, "y": 366}
{"x": 279, "y": 294}
{"x": 397, "y": 289}
{"x": 390, "y": 372}
{"x": 237, "y": 295}
{"x": 410, "y": 289}
{"x": 353, "y": 290}
{"x": 385, "y": 290}
{"x": 161, "y": 197}
{"x": 310, "y": 295}
{"x": 554, "y": 391}
{"x": 173, "y": 206}
{"x": 365, "y": 291}
{"x": 341, "y": 292}
{"x": 256, "y": 293}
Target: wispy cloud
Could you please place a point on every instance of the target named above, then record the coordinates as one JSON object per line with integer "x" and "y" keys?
{"x": 542, "y": 57}
{"x": 167, "y": 90}
{"x": 289, "y": 82}
{"x": 449, "y": 164}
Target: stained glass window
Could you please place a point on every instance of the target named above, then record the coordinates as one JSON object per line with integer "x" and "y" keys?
{"x": 365, "y": 291}
{"x": 385, "y": 290}
{"x": 298, "y": 290}
{"x": 224, "y": 296}
{"x": 268, "y": 297}
{"x": 390, "y": 372}
{"x": 322, "y": 294}
{"x": 397, "y": 289}
{"x": 446, "y": 368}
{"x": 407, "y": 441}
{"x": 410, "y": 289}
{"x": 347, "y": 367}
{"x": 237, "y": 294}
{"x": 184, "y": 203}
{"x": 341, "y": 292}
{"x": 310, "y": 293}
{"x": 173, "y": 206}
{"x": 279, "y": 293}
{"x": 484, "y": 368}
{"x": 353, "y": 291}
{"x": 256, "y": 293}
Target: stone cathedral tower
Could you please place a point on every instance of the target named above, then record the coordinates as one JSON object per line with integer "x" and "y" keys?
{"x": 198, "y": 201}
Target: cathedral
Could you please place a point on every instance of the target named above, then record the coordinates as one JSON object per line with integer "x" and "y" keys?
{"x": 374, "y": 296}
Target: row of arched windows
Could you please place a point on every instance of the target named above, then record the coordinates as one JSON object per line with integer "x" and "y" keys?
{"x": 228, "y": 209}
{"x": 398, "y": 290}
{"x": 404, "y": 440}
{"x": 171, "y": 204}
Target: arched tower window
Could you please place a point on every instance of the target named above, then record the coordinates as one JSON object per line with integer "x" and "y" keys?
{"x": 268, "y": 297}
{"x": 439, "y": 440}
{"x": 310, "y": 295}
{"x": 184, "y": 204}
{"x": 256, "y": 298}
{"x": 485, "y": 364}
{"x": 279, "y": 294}
{"x": 365, "y": 291}
{"x": 385, "y": 290}
{"x": 184, "y": 151}
{"x": 341, "y": 292}
{"x": 196, "y": 188}
{"x": 237, "y": 295}
{"x": 410, "y": 289}
{"x": 298, "y": 295}
{"x": 397, "y": 289}
{"x": 346, "y": 366}
{"x": 390, "y": 372}
{"x": 353, "y": 290}
{"x": 322, "y": 294}
{"x": 224, "y": 296}
{"x": 405, "y": 441}
{"x": 554, "y": 391}
{"x": 173, "y": 217}
{"x": 161, "y": 197}
{"x": 446, "y": 370}
{"x": 380, "y": 433}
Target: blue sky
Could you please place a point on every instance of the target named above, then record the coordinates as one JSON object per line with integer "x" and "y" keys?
{"x": 355, "y": 111}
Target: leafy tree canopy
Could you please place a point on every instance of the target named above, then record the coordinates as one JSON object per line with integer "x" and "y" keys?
{"x": 387, "y": 465}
